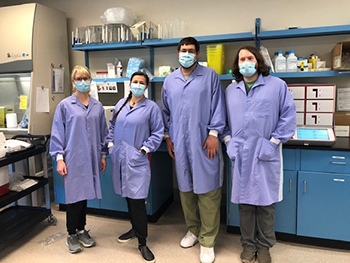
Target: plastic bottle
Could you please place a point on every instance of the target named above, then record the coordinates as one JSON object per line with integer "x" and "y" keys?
{"x": 119, "y": 70}
{"x": 274, "y": 58}
{"x": 280, "y": 62}
{"x": 286, "y": 54}
{"x": 292, "y": 62}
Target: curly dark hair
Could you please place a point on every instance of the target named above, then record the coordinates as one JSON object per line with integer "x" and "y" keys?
{"x": 262, "y": 67}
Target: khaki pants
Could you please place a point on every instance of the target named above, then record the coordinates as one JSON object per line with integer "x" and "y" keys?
{"x": 202, "y": 215}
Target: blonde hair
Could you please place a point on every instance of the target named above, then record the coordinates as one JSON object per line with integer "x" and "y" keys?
{"x": 81, "y": 69}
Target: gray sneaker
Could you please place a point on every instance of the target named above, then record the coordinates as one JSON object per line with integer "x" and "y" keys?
{"x": 85, "y": 239}
{"x": 73, "y": 244}
{"x": 264, "y": 255}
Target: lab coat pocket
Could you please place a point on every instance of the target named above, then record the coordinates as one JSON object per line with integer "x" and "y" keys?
{"x": 137, "y": 158}
{"x": 268, "y": 150}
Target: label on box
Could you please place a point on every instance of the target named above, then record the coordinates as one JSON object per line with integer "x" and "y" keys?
{"x": 341, "y": 131}
{"x": 337, "y": 62}
{"x": 343, "y": 99}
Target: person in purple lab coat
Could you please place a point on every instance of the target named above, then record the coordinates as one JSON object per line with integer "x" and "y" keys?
{"x": 136, "y": 129}
{"x": 194, "y": 114}
{"x": 77, "y": 143}
{"x": 261, "y": 116}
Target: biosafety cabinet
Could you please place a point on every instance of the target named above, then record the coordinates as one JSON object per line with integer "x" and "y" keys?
{"x": 34, "y": 72}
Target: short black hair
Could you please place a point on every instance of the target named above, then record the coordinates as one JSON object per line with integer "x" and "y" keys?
{"x": 188, "y": 41}
{"x": 262, "y": 68}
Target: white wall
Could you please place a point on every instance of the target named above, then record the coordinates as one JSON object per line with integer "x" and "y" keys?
{"x": 215, "y": 17}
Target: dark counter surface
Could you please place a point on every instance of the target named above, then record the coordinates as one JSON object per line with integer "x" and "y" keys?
{"x": 342, "y": 144}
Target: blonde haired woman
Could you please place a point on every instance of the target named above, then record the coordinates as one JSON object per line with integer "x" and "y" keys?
{"x": 77, "y": 143}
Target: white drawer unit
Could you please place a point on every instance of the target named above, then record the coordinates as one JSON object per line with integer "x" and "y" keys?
{"x": 320, "y": 119}
{"x": 319, "y": 106}
{"x": 300, "y": 105}
{"x": 298, "y": 92}
{"x": 300, "y": 118}
{"x": 320, "y": 92}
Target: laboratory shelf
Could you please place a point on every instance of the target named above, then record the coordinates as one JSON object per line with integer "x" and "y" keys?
{"x": 311, "y": 74}
{"x": 21, "y": 155}
{"x": 304, "y": 32}
{"x": 118, "y": 80}
{"x": 12, "y": 196}
{"x": 17, "y": 220}
{"x": 246, "y": 36}
{"x": 107, "y": 46}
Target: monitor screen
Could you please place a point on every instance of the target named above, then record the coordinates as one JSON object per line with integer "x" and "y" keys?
{"x": 312, "y": 134}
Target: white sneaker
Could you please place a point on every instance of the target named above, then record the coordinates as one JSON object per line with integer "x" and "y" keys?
{"x": 207, "y": 255}
{"x": 189, "y": 240}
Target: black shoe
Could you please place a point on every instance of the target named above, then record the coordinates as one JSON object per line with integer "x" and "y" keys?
{"x": 127, "y": 236}
{"x": 147, "y": 254}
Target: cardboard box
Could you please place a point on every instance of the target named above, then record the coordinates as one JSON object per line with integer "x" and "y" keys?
{"x": 342, "y": 124}
{"x": 338, "y": 61}
{"x": 343, "y": 99}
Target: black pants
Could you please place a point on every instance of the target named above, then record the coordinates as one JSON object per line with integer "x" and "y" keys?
{"x": 138, "y": 215}
{"x": 76, "y": 217}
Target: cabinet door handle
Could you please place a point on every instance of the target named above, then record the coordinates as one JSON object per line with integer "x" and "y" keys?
{"x": 338, "y": 157}
{"x": 290, "y": 185}
{"x": 340, "y": 163}
{"x": 339, "y": 180}
{"x": 304, "y": 187}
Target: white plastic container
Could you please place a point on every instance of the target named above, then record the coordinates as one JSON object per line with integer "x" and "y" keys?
{"x": 280, "y": 62}
{"x": 292, "y": 62}
{"x": 11, "y": 120}
{"x": 119, "y": 70}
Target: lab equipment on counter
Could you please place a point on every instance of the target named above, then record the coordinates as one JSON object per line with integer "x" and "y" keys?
{"x": 313, "y": 136}
{"x": 34, "y": 37}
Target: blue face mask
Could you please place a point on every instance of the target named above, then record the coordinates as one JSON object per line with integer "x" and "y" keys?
{"x": 186, "y": 60}
{"x": 82, "y": 86}
{"x": 137, "y": 89}
{"x": 247, "y": 69}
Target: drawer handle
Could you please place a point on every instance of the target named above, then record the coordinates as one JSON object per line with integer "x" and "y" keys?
{"x": 341, "y": 163}
{"x": 338, "y": 157}
{"x": 338, "y": 180}
{"x": 304, "y": 187}
{"x": 290, "y": 185}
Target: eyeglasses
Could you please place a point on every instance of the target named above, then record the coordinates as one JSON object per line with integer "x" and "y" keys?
{"x": 80, "y": 79}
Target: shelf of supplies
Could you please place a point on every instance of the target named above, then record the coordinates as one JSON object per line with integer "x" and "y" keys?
{"x": 118, "y": 80}
{"x": 21, "y": 155}
{"x": 246, "y": 36}
{"x": 12, "y": 196}
{"x": 107, "y": 46}
{"x": 312, "y": 74}
{"x": 305, "y": 32}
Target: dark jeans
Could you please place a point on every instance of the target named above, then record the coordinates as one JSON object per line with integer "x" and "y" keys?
{"x": 138, "y": 215}
{"x": 76, "y": 217}
{"x": 257, "y": 224}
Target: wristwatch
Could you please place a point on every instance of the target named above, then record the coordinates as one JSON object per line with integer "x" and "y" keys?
{"x": 143, "y": 151}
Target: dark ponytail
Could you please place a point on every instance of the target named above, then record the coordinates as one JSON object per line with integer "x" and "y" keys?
{"x": 126, "y": 101}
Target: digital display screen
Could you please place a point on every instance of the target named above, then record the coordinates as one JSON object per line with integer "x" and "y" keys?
{"x": 312, "y": 134}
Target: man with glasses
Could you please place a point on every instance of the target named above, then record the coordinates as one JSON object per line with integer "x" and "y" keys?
{"x": 194, "y": 114}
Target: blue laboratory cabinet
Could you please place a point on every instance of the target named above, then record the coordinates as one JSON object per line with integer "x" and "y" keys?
{"x": 160, "y": 193}
{"x": 285, "y": 210}
{"x": 316, "y": 193}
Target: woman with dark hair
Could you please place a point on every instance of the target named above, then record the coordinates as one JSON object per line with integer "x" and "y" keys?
{"x": 261, "y": 116}
{"x": 136, "y": 129}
